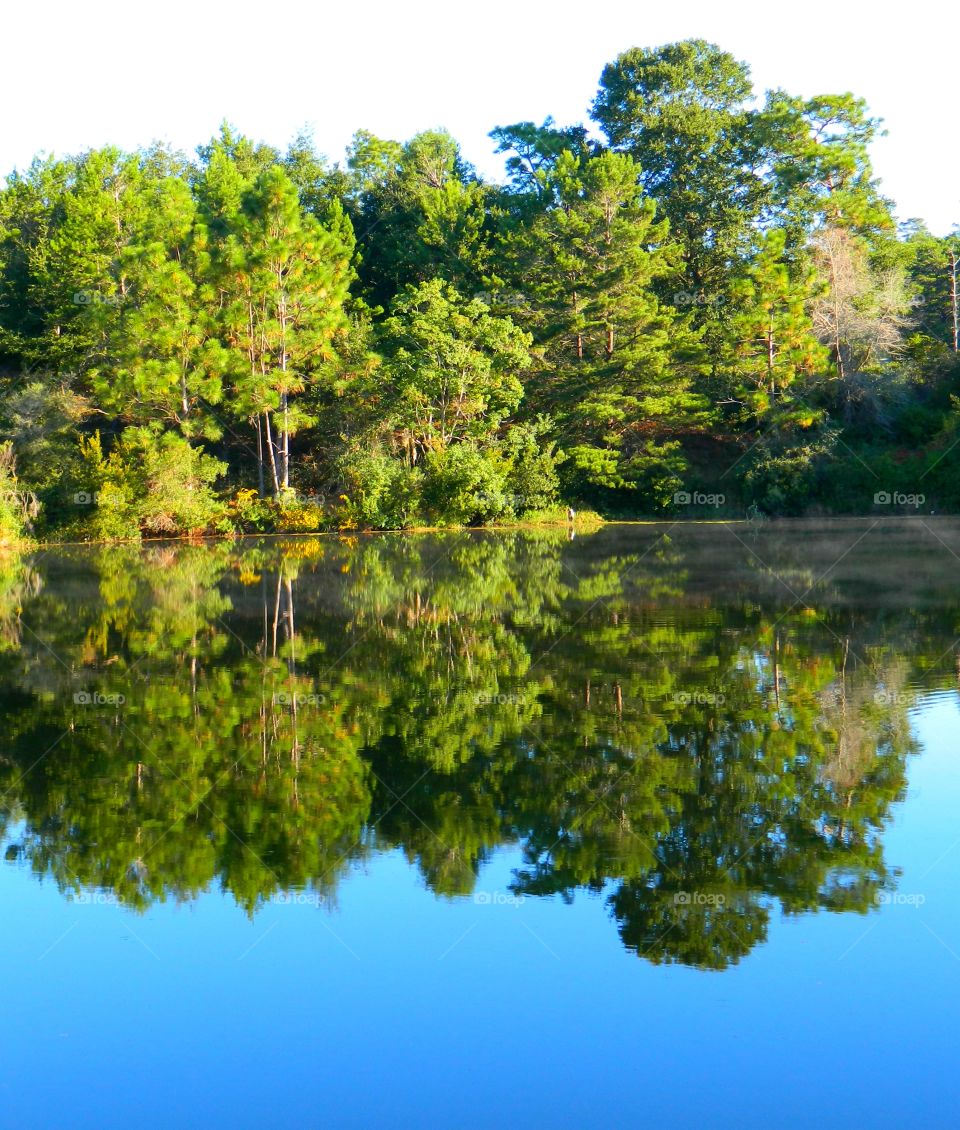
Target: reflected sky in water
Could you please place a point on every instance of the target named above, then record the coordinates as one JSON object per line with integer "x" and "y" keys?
{"x": 652, "y": 827}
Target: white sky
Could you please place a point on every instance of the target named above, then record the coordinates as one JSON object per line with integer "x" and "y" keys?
{"x": 80, "y": 74}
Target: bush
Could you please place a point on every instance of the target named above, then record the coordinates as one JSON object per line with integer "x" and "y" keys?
{"x": 151, "y": 484}
{"x": 532, "y": 480}
{"x": 297, "y": 515}
{"x": 249, "y": 512}
{"x": 784, "y": 478}
{"x": 379, "y": 490}
{"x": 18, "y": 507}
{"x": 464, "y": 485}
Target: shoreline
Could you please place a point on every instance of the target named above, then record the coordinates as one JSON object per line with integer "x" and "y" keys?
{"x": 592, "y": 527}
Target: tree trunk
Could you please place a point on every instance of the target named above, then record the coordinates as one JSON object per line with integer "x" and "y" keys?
{"x": 285, "y": 449}
{"x": 273, "y": 454}
{"x": 261, "y": 486}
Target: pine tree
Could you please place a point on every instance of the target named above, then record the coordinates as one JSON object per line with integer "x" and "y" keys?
{"x": 775, "y": 345}
{"x": 682, "y": 112}
{"x": 165, "y": 362}
{"x": 284, "y": 279}
{"x": 616, "y": 366}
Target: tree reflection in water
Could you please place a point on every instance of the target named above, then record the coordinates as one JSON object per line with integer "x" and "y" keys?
{"x": 635, "y": 715}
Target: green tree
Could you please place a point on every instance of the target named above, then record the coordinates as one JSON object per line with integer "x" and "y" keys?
{"x": 820, "y": 170}
{"x": 616, "y": 366}
{"x": 285, "y": 279}
{"x": 165, "y": 362}
{"x": 420, "y": 215}
{"x": 682, "y": 112}
{"x": 775, "y": 341}
{"x": 534, "y": 150}
{"x": 435, "y": 410}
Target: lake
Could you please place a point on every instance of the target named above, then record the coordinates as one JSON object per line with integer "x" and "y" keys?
{"x": 656, "y": 826}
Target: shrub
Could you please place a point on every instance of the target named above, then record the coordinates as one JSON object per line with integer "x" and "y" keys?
{"x": 152, "y": 484}
{"x": 18, "y": 508}
{"x": 532, "y": 479}
{"x": 464, "y": 485}
{"x": 378, "y": 490}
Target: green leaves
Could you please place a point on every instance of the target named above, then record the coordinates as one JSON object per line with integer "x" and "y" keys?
{"x": 715, "y": 268}
{"x": 283, "y": 280}
{"x": 454, "y": 366}
{"x": 636, "y": 732}
{"x": 614, "y": 365}
{"x": 820, "y": 166}
{"x": 682, "y": 112}
{"x": 450, "y": 377}
{"x": 774, "y": 338}
{"x": 421, "y": 214}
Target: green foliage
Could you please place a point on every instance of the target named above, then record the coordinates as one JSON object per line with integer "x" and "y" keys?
{"x": 681, "y": 112}
{"x": 18, "y": 507}
{"x": 534, "y": 151}
{"x": 379, "y": 489}
{"x": 775, "y": 343}
{"x": 589, "y": 701}
{"x": 464, "y": 485}
{"x": 781, "y": 474}
{"x": 715, "y": 288}
{"x": 452, "y": 367}
{"x": 420, "y": 214}
{"x": 249, "y": 513}
{"x": 151, "y": 483}
{"x": 614, "y": 365}
{"x": 532, "y": 459}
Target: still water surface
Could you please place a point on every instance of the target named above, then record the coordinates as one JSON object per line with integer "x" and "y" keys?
{"x": 652, "y": 827}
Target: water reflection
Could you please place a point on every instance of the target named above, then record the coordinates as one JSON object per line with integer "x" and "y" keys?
{"x": 704, "y": 725}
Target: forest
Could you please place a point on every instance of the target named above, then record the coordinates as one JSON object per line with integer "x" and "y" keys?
{"x": 697, "y": 303}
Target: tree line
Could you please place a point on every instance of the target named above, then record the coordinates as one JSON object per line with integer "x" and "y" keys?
{"x": 702, "y": 294}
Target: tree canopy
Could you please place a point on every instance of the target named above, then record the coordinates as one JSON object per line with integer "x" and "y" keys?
{"x": 700, "y": 293}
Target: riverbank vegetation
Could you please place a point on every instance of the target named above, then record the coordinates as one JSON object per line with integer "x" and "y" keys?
{"x": 698, "y": 303}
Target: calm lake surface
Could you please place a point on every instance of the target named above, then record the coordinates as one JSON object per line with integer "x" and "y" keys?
{"x": 658, "y": 826}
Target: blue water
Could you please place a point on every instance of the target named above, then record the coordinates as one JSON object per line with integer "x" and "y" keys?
{"x": 399, "y": 1008}
{"x": 398, "y": 996}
